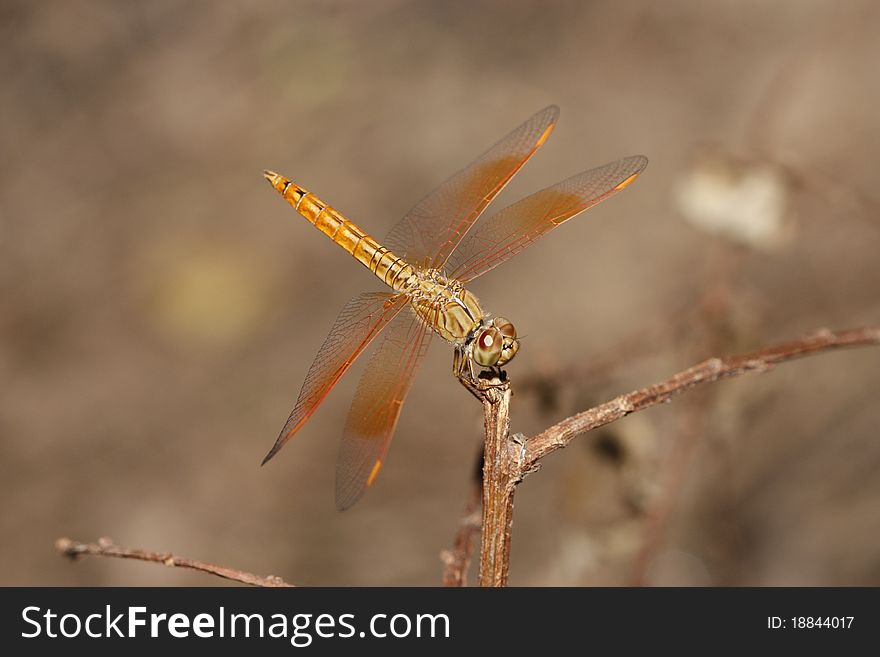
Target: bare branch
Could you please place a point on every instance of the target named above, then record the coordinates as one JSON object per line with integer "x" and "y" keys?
{"x": 105, "y": 548}
{"x": 713, "y": 369}
{"x": 501, "y": 473}
{"x": 507, "y": 459}
{"x": 457, "y": 560}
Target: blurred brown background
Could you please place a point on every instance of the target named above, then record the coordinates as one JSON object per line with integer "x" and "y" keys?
{"x": 161, "y": 305}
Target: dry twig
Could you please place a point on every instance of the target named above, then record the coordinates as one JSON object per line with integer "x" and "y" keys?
{"x": 713, "y": 369}
{"x": 457, "y": 560}
{"x": 509, "y": 458}
{"x": 501, "y": 473}
{"x": 105, "y": 548}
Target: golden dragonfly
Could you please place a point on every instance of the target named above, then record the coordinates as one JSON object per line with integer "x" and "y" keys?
{"x": 427, "y": 259}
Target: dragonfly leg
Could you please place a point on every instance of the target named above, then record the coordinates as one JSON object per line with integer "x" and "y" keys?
{"x": 463, "y": 369}
{"x": 462, "y": 366}
{"x": 458, "y": 369}
{"x": 456, "y": 362}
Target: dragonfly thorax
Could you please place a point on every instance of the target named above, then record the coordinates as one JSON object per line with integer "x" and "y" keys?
{"x": 454, "y": 313}
{"x": 444, "y": 305}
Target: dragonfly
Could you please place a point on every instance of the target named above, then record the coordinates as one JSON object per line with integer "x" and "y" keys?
{"x": 426, "y": 260}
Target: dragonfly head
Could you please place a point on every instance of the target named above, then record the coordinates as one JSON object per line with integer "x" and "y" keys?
{"x": 496, "y": 344}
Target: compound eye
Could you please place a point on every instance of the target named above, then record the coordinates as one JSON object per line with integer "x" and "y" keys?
{"x": 504, "y": 325}
{"x": 509, "y": 345}
{"x": 508, "y": 350}
{"x": 487, "y": 349}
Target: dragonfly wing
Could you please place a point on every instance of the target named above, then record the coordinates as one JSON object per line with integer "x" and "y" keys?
{"x": 434, "y": 227}
{"x": 360, "y": 321}
{"x": 376, "y": 407}
{"x": 511, "y": 230}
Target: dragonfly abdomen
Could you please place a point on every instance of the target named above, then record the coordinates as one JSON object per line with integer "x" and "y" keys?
{"x": 393, "y": 270}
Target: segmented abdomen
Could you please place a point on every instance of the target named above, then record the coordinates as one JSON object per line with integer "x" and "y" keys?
{"x": 393, "y": 270}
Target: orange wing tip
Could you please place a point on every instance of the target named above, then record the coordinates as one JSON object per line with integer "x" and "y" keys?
{"x": 544, "y": 135}
{"x": 374, "y": 472}
{"x": 626, "y": 182}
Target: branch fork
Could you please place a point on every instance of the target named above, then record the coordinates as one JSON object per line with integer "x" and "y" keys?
{"x": 509, "y": 458}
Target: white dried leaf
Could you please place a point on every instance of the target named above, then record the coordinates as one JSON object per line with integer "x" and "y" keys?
{"x": 743, "y": 202}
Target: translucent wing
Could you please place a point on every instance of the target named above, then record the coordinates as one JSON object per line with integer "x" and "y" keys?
{"x": 360, "y": 321}
{"x": 508, "y": 232}
{"x": 376, "y": 407}
{"x": 434, "y": 227}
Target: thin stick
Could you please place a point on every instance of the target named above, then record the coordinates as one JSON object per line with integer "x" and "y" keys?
{"x": 713, "y": 369}
{"x": 692, "y": 424}
{"x": 457, "y": 560}
{"x": 105, "y": 548}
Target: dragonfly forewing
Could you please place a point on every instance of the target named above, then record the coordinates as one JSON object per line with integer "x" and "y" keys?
{"x": 503, "y": 235}
{"x": 430, "y": 231}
